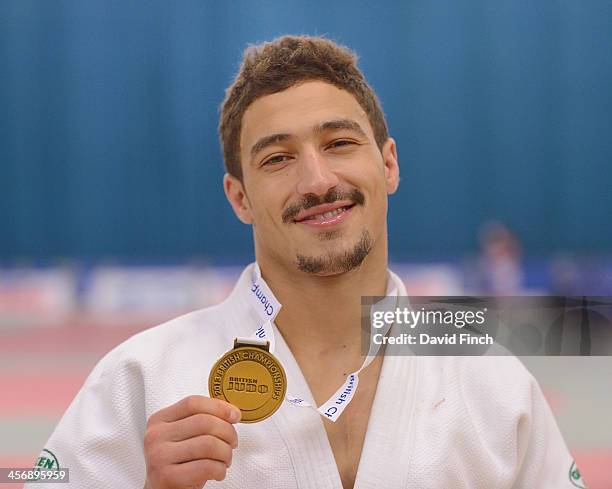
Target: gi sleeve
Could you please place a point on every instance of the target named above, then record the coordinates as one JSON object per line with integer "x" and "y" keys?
{"x": 100, "y": 437}
{"x": 546, "y": 461}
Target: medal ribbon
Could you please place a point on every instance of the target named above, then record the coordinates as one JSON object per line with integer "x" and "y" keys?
{"x": 267, "y": 307}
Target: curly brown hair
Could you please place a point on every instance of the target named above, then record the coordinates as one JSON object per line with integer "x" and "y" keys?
{"x": 274, "y": 66}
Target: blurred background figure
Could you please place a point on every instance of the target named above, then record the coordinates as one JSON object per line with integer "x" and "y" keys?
{"x": 500, "y": 265}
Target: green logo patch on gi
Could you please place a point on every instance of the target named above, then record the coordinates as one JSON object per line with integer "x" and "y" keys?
{"x": 575, "y": 477}
{"x": 46, "y": 461}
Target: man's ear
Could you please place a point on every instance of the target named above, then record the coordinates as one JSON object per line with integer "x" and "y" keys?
{"x": 235, "y": 193}
{"x": 392, "y": 178}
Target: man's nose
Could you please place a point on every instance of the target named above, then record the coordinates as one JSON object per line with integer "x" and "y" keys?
{"x": 315, "y": 174}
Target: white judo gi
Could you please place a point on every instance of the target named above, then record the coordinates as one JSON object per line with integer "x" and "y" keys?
{"x": 436, "y": 422}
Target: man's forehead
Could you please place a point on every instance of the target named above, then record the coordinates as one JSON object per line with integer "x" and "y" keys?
{"x": 300, "y": 108}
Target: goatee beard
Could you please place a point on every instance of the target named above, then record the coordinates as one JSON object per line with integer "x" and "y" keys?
{"x": 335, "y": 263}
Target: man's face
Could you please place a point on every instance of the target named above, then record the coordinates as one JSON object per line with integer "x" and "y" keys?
{"x": 315, "y": 183}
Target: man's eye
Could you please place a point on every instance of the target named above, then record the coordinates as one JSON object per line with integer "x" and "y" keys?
{"x": 339, "y": 143}
{"x": 275, "y": 160}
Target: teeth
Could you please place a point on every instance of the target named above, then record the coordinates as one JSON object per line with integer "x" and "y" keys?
{"x": 328, "y": 215}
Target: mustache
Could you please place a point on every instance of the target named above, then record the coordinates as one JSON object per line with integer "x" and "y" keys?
{"x": 354, "y": 195}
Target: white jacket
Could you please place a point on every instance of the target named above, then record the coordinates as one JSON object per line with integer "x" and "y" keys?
{"x": 436, "y": 422}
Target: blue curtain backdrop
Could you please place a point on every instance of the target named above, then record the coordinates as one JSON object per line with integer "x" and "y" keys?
{"x": 108, "y": 115}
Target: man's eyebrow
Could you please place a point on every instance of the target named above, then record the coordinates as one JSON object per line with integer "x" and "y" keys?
{"x": 268, "y": 141}
{"x": 336, "y": 124}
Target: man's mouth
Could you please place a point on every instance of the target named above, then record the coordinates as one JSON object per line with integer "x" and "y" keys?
{"x": 325, "y": 214}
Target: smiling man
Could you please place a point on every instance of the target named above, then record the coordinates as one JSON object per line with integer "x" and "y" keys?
{"x": 310, "y": 166}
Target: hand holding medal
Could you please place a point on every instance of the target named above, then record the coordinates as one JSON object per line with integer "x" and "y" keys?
{"x": 189, "y": 443}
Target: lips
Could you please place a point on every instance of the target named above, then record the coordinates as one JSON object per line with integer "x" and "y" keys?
{"x": 325, "y": 214}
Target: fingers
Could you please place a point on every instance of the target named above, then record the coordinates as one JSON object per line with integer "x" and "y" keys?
{"x": 190, "y": 442}
{"x": 204, "y": 424}
{"x": 197, "y": 405}
{"x": 189, "y": 474}
{"x": 200, "y": 448}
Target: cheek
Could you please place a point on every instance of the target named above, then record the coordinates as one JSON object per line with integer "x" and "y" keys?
{"x": 376, "y": 192}
{"x": 379, "y": 204}
{"x": 372, "y": 181}
{"x": 267, "y": 209}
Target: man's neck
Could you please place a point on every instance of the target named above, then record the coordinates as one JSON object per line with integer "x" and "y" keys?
{"x": 321, "y": 315}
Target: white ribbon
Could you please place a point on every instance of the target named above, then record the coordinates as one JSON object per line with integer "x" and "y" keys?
{"x": 267, "y": 307}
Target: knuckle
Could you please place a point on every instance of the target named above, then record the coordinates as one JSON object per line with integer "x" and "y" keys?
{"x": 152, "y": 420}
{"x": 207, "y": 444}
{"x": 205, "y": 447}
{"x": 204, "y": 423}
{"x": 151, "y": 436}
{"x": 191, "y": 403}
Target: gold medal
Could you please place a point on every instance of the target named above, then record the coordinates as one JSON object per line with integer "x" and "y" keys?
{"x": 250, "y": 378}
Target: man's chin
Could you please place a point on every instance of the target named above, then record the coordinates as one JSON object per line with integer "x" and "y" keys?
{"x": 335, "y": 262}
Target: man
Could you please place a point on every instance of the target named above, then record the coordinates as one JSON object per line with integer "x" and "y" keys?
{"x": 309, "y": 166}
